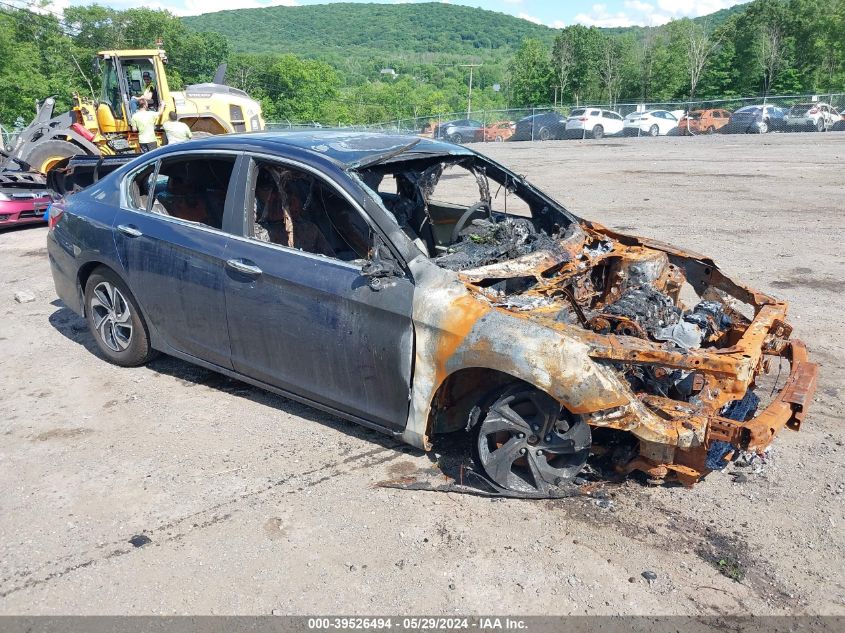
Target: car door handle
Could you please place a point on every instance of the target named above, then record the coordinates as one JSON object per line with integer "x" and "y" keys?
{"x": 242, "y": 267}
{"x": 128, "y": 229}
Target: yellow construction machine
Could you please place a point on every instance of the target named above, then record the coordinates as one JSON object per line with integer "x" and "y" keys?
{"x": 100, "y": 126}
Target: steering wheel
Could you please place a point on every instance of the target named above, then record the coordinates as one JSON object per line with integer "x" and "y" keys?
{"x": 479, "y": 210}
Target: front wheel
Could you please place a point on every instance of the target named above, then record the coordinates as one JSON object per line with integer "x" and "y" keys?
{"x": 764, "y": 127}
{"x": 115, "y": 320}
{"x": 820, "y": 124}
{"x": 654, "y": 130}
{"x": 545, "y": 134}
{"x": 598, "y": 132}
{"x": 528, "y": 443}
{"x": 457, "y": 139}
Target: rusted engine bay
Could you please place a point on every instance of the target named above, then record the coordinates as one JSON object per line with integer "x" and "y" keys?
{"x": 687, "y": 342}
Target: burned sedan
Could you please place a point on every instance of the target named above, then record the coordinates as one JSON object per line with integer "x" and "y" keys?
{"x": 421, "y": 289}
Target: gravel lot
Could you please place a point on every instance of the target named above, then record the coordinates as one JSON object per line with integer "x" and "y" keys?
{"x": 254, "y": 503}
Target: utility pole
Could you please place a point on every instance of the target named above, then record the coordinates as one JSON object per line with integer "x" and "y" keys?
{"x": 469, "y": 96}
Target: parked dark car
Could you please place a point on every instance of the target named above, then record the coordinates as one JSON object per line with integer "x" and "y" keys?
{"x": 540, "y": 127}
{"x": 460, "y": 131}
{"x": 756, "y": 119}
{"x": 378, "y": 277}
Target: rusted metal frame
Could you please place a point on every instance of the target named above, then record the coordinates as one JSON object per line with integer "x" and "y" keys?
{"x": 785, "y": 410}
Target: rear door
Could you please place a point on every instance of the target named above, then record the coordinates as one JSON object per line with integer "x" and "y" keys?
{"x": 171, "y": 238}
{"x": 308, "y": 322}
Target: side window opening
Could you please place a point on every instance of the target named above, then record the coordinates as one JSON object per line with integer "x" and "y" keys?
{"x": 193, "y": 188}
{"x": 296, "y": 209}
{"x": 140, "y": 186}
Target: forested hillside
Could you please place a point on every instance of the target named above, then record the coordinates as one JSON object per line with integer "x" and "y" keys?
{"x": 365, "y": 63}
{"x": 363, "y": 30}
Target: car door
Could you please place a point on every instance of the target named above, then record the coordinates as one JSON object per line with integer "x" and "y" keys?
{"x": 175, "y": 265}
{"x": 311, "y": 324}
{"x": 668, "y": 122}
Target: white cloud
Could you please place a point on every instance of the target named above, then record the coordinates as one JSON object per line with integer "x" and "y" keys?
{"x": 600, "y": 16}
{"x": 195, "y": 7}
{"x": 512, "y": 1}
{"x": 530, "y": 18}
{"x": 640, "y": 13}
{"x": 557, "y": 24}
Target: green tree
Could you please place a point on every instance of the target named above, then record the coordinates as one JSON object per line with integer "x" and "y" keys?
{"x": 531, "y": 75}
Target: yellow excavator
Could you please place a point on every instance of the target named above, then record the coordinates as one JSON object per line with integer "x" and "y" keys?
{"x": 101, "y": 126}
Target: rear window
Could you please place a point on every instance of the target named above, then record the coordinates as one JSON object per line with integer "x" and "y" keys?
{"x": 577, "y": 112}
{"x": 801, "y": 108}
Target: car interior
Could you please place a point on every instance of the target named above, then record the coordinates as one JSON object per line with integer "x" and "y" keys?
{"x": 295, "y": 209}
{"x": 191, "y": 189}
{"x": 434, "y": 200}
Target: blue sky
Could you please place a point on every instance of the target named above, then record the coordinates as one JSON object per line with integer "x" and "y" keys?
{"x": 550, "y": 12}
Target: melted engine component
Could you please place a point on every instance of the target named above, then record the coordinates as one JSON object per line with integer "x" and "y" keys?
{"x": 704, "y": 323}
{"x": 486, "y": 242}
{"x": 642, "y": 310}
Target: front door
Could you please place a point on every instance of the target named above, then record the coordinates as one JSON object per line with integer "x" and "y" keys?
{"x": 308, "y": 322}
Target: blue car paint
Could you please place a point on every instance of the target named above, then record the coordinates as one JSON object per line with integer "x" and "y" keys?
{"x": 300, "y": 327}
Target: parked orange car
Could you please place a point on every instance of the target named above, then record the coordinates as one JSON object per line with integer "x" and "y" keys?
{"x": 499, "y": 131}
{"x": 703, "y": 122}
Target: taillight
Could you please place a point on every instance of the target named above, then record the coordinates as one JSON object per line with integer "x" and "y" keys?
{"x": 583, "y": 118}
{"x": 55, "y": 213}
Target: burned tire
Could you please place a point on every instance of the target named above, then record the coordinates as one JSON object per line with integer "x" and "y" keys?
{"x": 115, "y": 321}
{"x": 44, "y": 156}
{"x": 526, "y": 442}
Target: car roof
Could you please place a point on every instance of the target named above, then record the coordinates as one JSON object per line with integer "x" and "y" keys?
{"x": 343, "y": 147}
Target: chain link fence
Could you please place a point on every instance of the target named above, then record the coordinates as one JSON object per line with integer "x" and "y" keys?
{"x": 780, "y": 113}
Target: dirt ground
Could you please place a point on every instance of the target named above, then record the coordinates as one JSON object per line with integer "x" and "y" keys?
{"x": 255, "y": 504}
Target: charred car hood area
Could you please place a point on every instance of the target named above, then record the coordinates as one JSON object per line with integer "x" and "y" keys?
{"x": 631, "y": 336}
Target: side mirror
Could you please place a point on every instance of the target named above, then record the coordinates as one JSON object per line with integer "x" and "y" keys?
{"x": 381, "y": 269}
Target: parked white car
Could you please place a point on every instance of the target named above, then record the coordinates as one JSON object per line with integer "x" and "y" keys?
{"x": 651, "y": 123}
{"x": 817, "y": 116}
{"x": 594, "y": 122}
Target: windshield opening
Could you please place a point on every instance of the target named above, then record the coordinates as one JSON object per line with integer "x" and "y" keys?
{"x": 464, "y": 211}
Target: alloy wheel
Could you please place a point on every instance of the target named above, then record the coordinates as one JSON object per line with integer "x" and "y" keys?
{"x": 112, "y": 317}
{"x": 528, "y": 443}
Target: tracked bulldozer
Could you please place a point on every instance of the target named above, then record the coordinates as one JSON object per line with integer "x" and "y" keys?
{"x": 100, "y": 126}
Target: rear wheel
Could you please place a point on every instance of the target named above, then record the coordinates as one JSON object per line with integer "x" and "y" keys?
{"x": 457, "y": 138}
{"x": 115, "y": 321}
{"x": 46, "y": 155}
{"x": 500, "y": 138}
{"x": 598, "y": 132}
{"x": 820, "y": 124}
{"x": 711, "y": 130}
{"x": 527, "y": 442}
{"x": 545, "y": 134}
{"x": 764, "y": 127}
{"x": 654, "y": 130}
